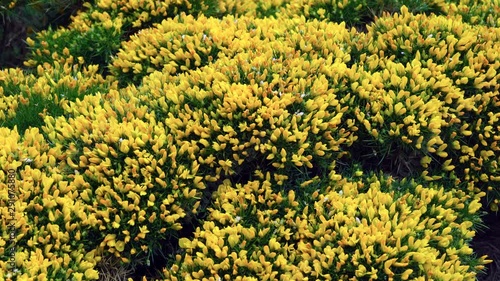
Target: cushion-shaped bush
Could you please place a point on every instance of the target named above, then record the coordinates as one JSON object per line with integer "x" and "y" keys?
{"x": 40, "y": 213}
{"x": 184, "y": 42}
{"x": 261, "y": 106}
{"x": 27, "y": 98}
{"x": 427, "y": 90}
{"x": 92, "y": 45}
{"x": 267, "y": 126}
{"x": 176, "y": 45}
{"x": 404, "y": 114}
{"x": 343, "y": 230}
{"x": 125, "y": 164}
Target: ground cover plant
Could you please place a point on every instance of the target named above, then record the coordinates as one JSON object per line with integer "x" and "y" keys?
{"x": 252, "y": 140}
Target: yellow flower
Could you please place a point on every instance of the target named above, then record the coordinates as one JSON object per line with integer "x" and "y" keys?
{"x": 85, "y": 195}
{"x": 406, "y": 274}
{"x": 109, "y": 240}
{"x": 233, "y": 239}
{"x": 78, "y": 276}
{"x": 274, "y": 245}
{"x": 249, "y": 233}
{"x": 124, "y": 146}
{"x": 143, "y": 231}
{"x": 91, "y": 274}
{"x": 116, "y": 223}
{"x": 361, "y": 271}
{"x": 226, "y": 165}
{"x": 474, "y": 206}
{"x": 399, "y": 109}
{"x": 120, "y": 246}
{"x": 446, "y": 165}
{"x": 47, "y": 182}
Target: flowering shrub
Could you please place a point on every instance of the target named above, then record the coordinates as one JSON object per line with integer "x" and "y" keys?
{"x": 237, "y": 115}
{"x": 344, "y": 230}
{"x": 137, "y": 191}
{"x": 26, "y": 99}
{"x": 94, "y": 35}
{"x": 174, "y": 45}
{"x": 300, "y": 148}
{"x": 475, "y": 12}
{"x": 428, "y": 91}
{"x": 404, "y": 128}
{"x": 143, "y": 13}
{"x": 90, "y": 45}
{"x": 48, "y": 238}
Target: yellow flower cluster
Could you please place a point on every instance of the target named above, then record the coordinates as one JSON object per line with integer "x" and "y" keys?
{"x": 430, "y": 84}
{"x": 116, "y": 19}
{"x": 356, "y": 11}
{"x": 258, "y": 105}
{"x": 138, "y": 13}
{"x": 48, "y": 239}
{"x": 475, "y": 12}
{"x": 93, "y": 35}
{"x": 404, "y": 93}
{"x": 339, "y": 233}
{"x": 173, "y": 46}
{"x": 90, "y": 39}
{"x": 53, "y": 84}
{"x": 187, "y": 43}
{"x": 11, "y": 79}
{"x": 126, "y": 169}
{"x": 270, "y": 113}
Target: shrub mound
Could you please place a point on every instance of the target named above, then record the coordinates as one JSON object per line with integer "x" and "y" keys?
{"x": 257, "y": 141}
{"x": 340, "y": 231}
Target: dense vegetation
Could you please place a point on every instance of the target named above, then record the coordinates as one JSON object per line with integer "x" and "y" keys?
{"x": 251, "y": 140}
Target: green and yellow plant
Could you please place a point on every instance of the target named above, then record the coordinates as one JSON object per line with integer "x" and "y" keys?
{"x": 427, "y": 88}
{"x": 48, "y": 239}
{"x": 27, "y": 98}
{"x": 341, "y": 231}
{"x": 137, "y": 190}
{"x": 294, "y": 145}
